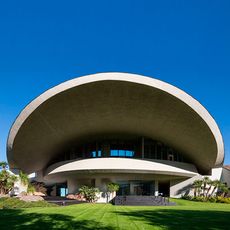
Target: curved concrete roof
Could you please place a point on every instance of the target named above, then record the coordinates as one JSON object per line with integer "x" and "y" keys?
{"x": 109, "y": 103}
{"x": 122, "y": 165}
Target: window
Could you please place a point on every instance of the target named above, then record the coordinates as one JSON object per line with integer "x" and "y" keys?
{"x": 114, "y": 153}
{"x": 121, "y": 153}
{"x": 93, "y": 154}
{"x": 129, "y": 153}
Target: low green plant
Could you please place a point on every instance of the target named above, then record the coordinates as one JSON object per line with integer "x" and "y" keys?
{"x": 186, "y": 197}
{"x": 12, "y": 203}
{"x": 221, "y": 199}
{"x": 89, "y": 193}
{"x": 112, "y": 187}
{"x": 39, "y": 187}
{"x": 30, "y": 189}
{"x": 24, "y": 178}
{"x": 212, "y": 199}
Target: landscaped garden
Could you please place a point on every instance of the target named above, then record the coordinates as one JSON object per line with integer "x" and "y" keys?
{"x": 185, "y": 215}
{"x": 19, "y": 213}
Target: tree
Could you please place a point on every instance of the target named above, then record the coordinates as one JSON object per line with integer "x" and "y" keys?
{"x": 89, "y": 193}
{"x": 223, "y": 189}
{"x": 211, "y": 184}
{"x": 197, "y": 184}
{"x": 215, "y": 185}
{"x": 3, "y": 165}
{"x": 206, "y": 181}
{"x": 10, "y": 183}
{"x": 7, "y": 180}
{"x": 30, "y": 188}
{"x": 111, "y": 188}
{"x": 24, "y": 178}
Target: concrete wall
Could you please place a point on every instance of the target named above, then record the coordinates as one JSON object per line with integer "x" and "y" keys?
{"x": 113, "y": 103}
{"x": 182, "y": 187}
{"x": 226, "y": 176}
{"x": 178, "y": 185}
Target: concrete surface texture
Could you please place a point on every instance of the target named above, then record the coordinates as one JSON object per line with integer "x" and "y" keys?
{"x": 113, "y": 103}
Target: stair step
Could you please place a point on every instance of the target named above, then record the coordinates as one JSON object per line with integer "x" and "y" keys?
{"x": 142, "y": 201}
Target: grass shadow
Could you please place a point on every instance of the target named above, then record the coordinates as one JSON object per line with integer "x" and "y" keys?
{"x": 181, "y": 219}
{"x": 21, "y": 220}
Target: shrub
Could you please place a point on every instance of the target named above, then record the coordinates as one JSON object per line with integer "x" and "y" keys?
{"x": 24, "y": 178}
{"x": 112, "y": 187}
{"x": 218, "y": 199}
{"x": 186, "y": 197}
{"x": 221, "y": 199}
{"x": 212, "y": 199}
{"x": 199, "y": 198}
{"x": 7, "y": 181}
{"x": 39, "y": 187}
{"x": 30, "y": 189}
{"x": 89, "y": 193}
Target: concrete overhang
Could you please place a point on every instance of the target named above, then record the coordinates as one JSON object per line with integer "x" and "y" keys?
{"x": 121, "y": 165}
{"x": 113, "y": 103}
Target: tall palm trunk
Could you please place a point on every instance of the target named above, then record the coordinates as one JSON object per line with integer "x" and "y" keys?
{"x": 213, "y": 190}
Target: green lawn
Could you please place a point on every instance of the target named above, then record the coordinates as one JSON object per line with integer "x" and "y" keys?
{"x": 186, "y": 215}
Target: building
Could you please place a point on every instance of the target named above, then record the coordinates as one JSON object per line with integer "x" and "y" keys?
{"x": 222, "y": 174}
{"x": 144, "y": 134}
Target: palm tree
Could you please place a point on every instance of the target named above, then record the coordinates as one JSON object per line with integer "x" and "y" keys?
{"x": 3, "y": 181}
{"x": 6, "y": 182}
{"x": 112, "y": 188}
{"x": 224, "y": 189}
{"x": 23, "y": 178}
{"x": 215, "y": 184}
{"x": 197, "y": 184}
{"x": 206, "y": 181}
{"x": 10, "y": 183}
{"x": 3, "y": 165}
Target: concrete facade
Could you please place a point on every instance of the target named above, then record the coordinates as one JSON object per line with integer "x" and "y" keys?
{"x": 74, "y": 133}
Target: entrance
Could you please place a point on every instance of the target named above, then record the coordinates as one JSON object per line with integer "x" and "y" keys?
{"x": 61, "y": 190}
{"x": 124, "y": 190}
{"x": 137, "y": 188}
{"x": 143, "y": 188}
{"x": 164, "y": 188}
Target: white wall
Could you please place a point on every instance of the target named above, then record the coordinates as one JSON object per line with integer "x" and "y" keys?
{"x": 226, "y": 176}
{"x": 182, "y": 187}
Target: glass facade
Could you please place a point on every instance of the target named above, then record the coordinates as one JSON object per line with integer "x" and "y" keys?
{"x": 138, "y": 188}
{"x": 139, "y": 148}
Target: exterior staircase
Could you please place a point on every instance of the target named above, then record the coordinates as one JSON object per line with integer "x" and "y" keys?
{"x": 142, "y": 201}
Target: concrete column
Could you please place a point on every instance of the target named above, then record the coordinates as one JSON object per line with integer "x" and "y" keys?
{"x": 142, "y": 147}
{"x": 39, "y": 176}
{"x": 156, "y": 188}
{"x": 131, "y": 187}
{"x": 72, "y": 186}
{"x": 102, "y": 185}
{"x": 98, "y": 183}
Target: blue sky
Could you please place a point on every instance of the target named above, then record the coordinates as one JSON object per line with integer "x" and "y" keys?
{"x": 185, "y": 43}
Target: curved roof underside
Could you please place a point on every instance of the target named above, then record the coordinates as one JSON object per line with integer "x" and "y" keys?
{"x": 121, "y": 165}
{"x": 113, "y": 103}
